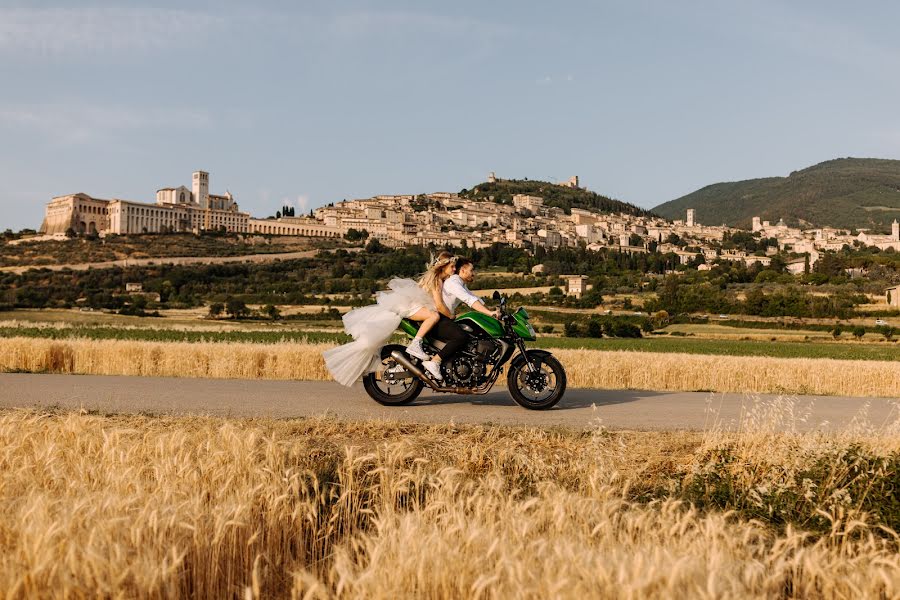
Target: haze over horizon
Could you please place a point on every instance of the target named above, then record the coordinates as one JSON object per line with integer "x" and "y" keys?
{"x": 644, "y": 101}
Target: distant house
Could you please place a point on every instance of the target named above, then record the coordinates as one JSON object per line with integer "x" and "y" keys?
{"x": 893, "y": 295}
{"x": 134, "y": 287}
{"x": 798, "y": 266}
{"x": 576, "y": 284}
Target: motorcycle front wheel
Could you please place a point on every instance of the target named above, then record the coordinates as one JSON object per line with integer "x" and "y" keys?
{"x": 541, "y": 389}
{"x": 391, "y": 384}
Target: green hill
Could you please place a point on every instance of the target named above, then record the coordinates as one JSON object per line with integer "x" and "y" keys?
{"x": 559, "y": 196}
{"x": 846, "y": 193}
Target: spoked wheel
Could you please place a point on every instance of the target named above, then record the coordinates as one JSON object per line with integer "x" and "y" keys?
{"x": 541, "y": 389}
{"x": 391, "y": 384}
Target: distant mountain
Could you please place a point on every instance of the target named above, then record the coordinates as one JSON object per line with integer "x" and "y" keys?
{"x": 553, "y": 194}
{"x": 845, "y": 193}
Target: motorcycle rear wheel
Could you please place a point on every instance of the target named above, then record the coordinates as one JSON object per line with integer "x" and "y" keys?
{"x": 389, "y": 392}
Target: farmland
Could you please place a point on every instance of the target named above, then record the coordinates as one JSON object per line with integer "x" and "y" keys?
{"x": 585, "y": 368}
{"x": 179, "y": 507}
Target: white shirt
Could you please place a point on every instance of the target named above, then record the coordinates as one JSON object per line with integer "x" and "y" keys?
{"x": 455, "y": 292}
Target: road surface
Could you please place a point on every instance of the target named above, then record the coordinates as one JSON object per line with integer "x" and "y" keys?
{"x": 617, "y": 409}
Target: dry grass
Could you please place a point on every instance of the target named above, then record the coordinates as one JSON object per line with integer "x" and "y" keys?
{"x": 215, "y": 508}
{"x": 585, "y": 368}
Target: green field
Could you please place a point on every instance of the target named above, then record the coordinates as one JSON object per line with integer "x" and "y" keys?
{"x": 843, "y": 351}
{"x": 174, "y": 335}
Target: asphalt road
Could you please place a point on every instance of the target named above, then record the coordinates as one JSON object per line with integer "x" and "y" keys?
{"x": 617, "y": 409}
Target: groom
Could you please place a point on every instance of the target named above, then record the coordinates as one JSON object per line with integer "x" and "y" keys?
{"x": 455, "y": 292}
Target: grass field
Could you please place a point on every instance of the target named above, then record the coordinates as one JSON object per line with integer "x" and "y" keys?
{"x": 114, "y": 506}
{"x": 584, "y": 368}
{"x": 175, "y": 335}
{"x": 53, "y": 252}
{"x": 729, "y": 347}
{"x": 71, "y": 325}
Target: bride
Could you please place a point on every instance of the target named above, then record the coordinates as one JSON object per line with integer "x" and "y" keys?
{"x": 371, "y": 326}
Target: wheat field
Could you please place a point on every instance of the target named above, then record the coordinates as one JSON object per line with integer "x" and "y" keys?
{"x": 144, "y": 507}
{"x": 584, "y": 368}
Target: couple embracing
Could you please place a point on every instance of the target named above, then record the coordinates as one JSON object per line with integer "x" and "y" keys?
{"x": 431, "y": 301}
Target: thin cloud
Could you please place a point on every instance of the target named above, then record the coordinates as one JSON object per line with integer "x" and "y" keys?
{"x": 300, "y": 202}
{"x": 58, "y": 31}
{"x": 363, "y": 23}
{"x": 77, "y": 124}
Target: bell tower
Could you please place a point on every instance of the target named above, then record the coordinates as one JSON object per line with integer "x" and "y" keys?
{"x": 200, "y": 188}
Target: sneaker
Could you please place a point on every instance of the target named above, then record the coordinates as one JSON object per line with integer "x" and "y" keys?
{"x": 434, "y": 369}
{"x": 415, "y": 349}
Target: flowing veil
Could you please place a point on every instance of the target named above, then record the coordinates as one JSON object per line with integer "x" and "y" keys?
{"x": 371, "y": 327}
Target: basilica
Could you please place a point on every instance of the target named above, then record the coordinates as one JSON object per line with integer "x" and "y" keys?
{"x": 176, "y": 209}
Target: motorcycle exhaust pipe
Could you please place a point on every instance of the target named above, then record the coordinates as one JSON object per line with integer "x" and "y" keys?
{"x": 409, "y": 366}
{"x": 401, "y": 358}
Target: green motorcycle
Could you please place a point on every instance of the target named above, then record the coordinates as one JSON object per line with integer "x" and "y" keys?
{"x": 536, "y": 380}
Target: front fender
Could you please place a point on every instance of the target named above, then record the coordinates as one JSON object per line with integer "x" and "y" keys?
{"x": 536, "y": 356}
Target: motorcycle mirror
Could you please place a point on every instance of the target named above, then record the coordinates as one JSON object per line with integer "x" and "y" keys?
{"x": 496, "y": 295}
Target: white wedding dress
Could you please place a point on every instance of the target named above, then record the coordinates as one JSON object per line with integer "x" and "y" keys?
{"x": 371, "y": 326}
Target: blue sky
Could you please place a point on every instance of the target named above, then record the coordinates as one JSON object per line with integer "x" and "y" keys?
{"x": 311, "y": 102}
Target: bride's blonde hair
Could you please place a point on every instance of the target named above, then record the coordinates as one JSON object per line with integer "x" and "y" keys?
{"x": 432, "y": 277}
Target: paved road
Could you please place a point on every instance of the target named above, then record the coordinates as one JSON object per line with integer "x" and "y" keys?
{"x": 619, "y": 409}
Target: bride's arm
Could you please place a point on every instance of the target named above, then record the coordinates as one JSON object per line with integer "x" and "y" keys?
{"x": 439, "y": 302}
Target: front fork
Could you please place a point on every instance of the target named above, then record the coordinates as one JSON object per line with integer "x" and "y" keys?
{"x": 520, "y": 344}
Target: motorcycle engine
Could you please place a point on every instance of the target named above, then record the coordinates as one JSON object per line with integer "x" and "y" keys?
{"x": 468, "y": 368}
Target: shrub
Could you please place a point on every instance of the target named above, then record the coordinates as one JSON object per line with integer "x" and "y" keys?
{"x": 859, "y": 331}
{"x": 272, "y": 312}
{"x": 215, "y": 309}
{"x": 836, "y": 332}
{"x": 236, "y": 308}
{"x": 594, "y": 329}
{"x": 547, "y": 329}
{"x": 887, "y": 331}
{"x": 571, "y": 329}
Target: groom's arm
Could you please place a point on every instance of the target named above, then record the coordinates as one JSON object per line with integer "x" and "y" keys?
{"x": 459, "y": 291}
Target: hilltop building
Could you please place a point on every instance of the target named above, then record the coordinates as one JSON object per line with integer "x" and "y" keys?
{"x": 176, "y": 209}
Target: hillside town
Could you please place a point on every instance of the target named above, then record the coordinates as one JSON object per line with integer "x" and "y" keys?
{"x": 446, "y": 218}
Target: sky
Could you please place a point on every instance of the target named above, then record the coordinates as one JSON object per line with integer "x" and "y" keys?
{"x": 306, "y": 103}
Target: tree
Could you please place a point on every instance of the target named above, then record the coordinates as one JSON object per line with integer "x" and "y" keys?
{"x": 354, "y": 235}
{"x": 215, "y": 309}
{"x": 571, "y": 329}
{"x": 555, "y": 291}
{"x": 374, "y": 246}
{"x": 859, "y": 331}
{"x": 236, "y": 308}
{"x": 836, "y": 332}
{"x": 272, "y": 312}
{"x": 594, "y": 329}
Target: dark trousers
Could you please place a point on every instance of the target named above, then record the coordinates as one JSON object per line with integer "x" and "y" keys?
{"x": 451, "y": 334}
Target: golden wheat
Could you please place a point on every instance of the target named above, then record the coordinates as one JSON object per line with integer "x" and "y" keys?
{"x": 212, "y": 508}
{"x": 585, "y": 368}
